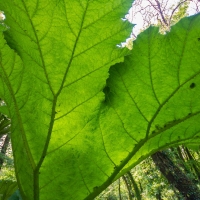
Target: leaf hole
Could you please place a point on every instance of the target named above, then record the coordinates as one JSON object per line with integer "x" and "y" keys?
{"x": 192, "y": 85}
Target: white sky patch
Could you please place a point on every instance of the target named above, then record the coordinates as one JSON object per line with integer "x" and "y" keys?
{"x": 136, "y": 16}
{"x": 194, "y": 8}
{"x": 144, "y": 10}
{"x": 2, "y": 16}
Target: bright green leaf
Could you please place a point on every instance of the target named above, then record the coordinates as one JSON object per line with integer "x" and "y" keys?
{"x": 154, "y": 95}
{"x": 54, "y": 92}
{"x": 72, "y": 135}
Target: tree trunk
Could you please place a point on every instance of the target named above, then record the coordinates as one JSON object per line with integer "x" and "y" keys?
{"x": 128, "y": 186}
{"x": 176, "y": 177}
{"x": 193, "y": 161}
{"x": 4, "y": 149}
{"x": 119, "y": 189}
{"x": 134, "y": 184}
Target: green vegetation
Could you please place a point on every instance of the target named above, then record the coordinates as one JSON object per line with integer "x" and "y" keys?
{"x": 78, "y": 124}
{"x": 152, "y": 184}
{"x": 7, "y": 188}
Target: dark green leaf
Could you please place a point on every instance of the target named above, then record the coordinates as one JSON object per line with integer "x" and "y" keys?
{"x": 7, "y": 188}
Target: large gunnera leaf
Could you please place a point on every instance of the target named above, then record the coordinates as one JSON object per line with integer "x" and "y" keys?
{"x": 54, "y": 92}
{"x": 153, "y": 97}
{"x": 71, "y": 135}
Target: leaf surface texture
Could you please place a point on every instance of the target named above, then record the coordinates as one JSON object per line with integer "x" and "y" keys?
{"x": 73, "y": 133}
{"x": 53, "y": 87}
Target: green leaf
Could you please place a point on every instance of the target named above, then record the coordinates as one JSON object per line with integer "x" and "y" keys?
{"x": 154, "y": 95}
{"x": 194, "y": 147}
{"x": 53, "y": 87}
{"x": 7, "y": 188}
{"x": 73, "y": 135}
